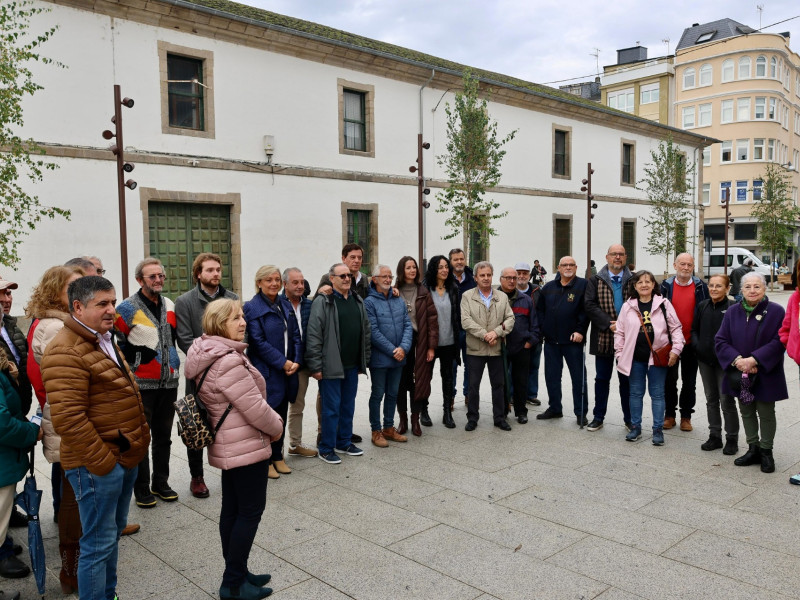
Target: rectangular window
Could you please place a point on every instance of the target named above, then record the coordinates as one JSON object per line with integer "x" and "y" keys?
{"x": 707, "y": 156}
{"x": 561, "y": 153}
{"x": 706, "y": 194}
{"x": 187, "y": 90}
{"x": 726, "y": 115}
{"x": 704, "y": 115}
{"x": 715, "y": 232}
{"x": 770, "y": 150}
{"x": 648, "y": 93}
{"x": 745, "y": 231}
{"x": 359, "y": 232}
{"x": 761, "y": 107}
{"x": 741, "y": 191}
{"x": 772, "y": 108}
{"x": 562, "y": 239}
{"x": 622, "y": 100}
{"x": 629, "y": 239}
{"x": 724, "y": 189}
{"x": 627, "y": 163}
{"x": 688, "y": 117}
{"x": 758, "y": 149}
{"x": 742, "y": 149}
{"x": 725, "y": 155}
{"x": 758, "y": 185}
{"x": 743, "y": 109}
{"x": 355, "y": 123}
{"x": 356, "y": 118}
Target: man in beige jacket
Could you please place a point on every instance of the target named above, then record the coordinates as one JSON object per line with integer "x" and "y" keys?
{"x": 486, "y": 317}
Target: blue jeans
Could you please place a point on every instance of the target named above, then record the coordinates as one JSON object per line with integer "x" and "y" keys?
{"x": 338, "y": 406}
{"x": 533, "y": 378}
{"x": 103, "y": 502}
{"x": 385, "y": 383}
{"x": 462, "y": 343}
{"x": 655, "y": 376}
{"x": 604, "y": 368}
{"x": 554, "y": 357}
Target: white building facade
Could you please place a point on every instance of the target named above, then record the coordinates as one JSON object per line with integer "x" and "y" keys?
{"x": 341, "y": 115}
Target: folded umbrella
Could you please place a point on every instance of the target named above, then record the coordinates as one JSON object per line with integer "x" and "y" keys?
{"x": 29, "y": 500}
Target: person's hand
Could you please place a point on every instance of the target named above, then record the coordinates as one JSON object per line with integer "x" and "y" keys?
{"x": 613, "y": 326}
{"x": 493, "y": 342}
{"x": 673, "y": 358}
{"x": 290, "y": 367}
{"x": 431, "y": 354}
{"x": 747, "y": 365}
{"x": 576, "y": 337}
{"x": 490, "y": 337}
{"x": 317, "y": 375}
{"x": 325, "y": 290}
{"x": 395, "y": 292}
{"x": 528, "y": 345}
{"x": 399, "y": 354}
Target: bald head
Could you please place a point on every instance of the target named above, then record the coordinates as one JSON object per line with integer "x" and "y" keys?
{"x": 508, "y": 280}
{"x": 616, "y": 257}
{"x": 568, "y": 268}
{"x": 684, "y": 267}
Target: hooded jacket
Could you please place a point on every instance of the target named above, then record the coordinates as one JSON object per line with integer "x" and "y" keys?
{"x": 629, "y": 325}
{"x": 251, "y": 425}
{"x": 391, "y": 328}
{"x": 17, "y": 435}
{"x": 42, "y": 333}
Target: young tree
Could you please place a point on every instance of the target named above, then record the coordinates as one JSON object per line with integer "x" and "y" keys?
{"x": 19, "y": 211}
{"x": 472, "y": 163}
{"x": 775, "y": 213}
{"x": 668, "y": 186}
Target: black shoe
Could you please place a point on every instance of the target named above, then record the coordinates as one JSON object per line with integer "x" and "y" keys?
{"x": 166, "y": 493}
{"x": 767, "y": 462}
{"x": 595, "y": 425}
{"x": 582, "y": 421}
{"x": 534, "y": 401}
{"x": 470, "y": 426}
{"x": 503, "y": 425}
{"x": 751, "y": 457}
{"x": 447, "y": 418}
{"x": 731, "y": 447}
{"x": 354, "y": 439}
{"x": 13, "y": 568}
{"x": 713, "y": 443}
{"x": 425, "y": 418}
{"x": 18, "y": 519}
{"x": 522, "y": 419}
{"x": 145, "y": 500}
{"x": 549, "y": 414}
{"x": 17, "y": 549}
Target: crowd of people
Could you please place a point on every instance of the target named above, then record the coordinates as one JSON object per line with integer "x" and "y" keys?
{"x": 105, "y": 376}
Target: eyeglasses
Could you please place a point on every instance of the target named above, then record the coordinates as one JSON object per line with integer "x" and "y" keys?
{"x": 568, "y": 265}
{"x": 344, "y": 276}
{"x": 617, "y": 254}
{"x": 101, "y": 272}
{"x": 382, "y": 276}
{"x": 508, "y": 277}
{"x": 156, "y": 276}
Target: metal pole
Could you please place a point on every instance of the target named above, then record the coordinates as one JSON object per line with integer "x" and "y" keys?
{"x": 589, "y": 221}
{"x": 725, "y": 229}
{"x": 123, "y": 225}
{"x": 420, "y": 209}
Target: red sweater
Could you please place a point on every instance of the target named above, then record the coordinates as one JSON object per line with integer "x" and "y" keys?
{"x": 683, "y": 300}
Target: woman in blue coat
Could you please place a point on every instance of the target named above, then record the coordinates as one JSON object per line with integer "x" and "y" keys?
{"x": 275, "y": 349}
{"x": 749, "y": 349}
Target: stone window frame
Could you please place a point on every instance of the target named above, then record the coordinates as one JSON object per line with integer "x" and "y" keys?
{"x": 631, "y": 252}
{"x": 165, "y": 48}
{"x": 567, "y": 152}
{"x": 373, "y": 232}
{"x": 234, "y": 200}
{"x": 567, "y": 217}
{"x": 632, "y": 143}
{"x": 369, "y": 116}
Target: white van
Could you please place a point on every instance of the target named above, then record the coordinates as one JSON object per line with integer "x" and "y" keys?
{"x": 715, "y": 263}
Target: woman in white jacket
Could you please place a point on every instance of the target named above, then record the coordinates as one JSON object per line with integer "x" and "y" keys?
{"x": 646, "y": 323}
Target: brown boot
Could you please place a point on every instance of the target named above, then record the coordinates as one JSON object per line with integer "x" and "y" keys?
{"x": 69, "y": 567}
{"x": 273, "y": 474}
{"x": 378, "y": 440}
{"x": 390, "y": 433}
{"x": 669, "y": 422}
{"x": 281, "y": 467}
{"x": 402, "y": 426}
{"x": 415, "y": 428}
{"x": 686, "y": 424}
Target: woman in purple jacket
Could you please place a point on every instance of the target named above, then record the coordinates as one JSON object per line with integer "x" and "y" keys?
{"x": 750, "y": 350}
{"x": 232, "y": 389}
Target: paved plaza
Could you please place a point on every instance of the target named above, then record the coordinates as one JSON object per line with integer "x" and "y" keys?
{"x": 545, "y": 511}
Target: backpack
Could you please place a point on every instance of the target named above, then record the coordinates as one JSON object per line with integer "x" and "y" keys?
{"x": 192, "y": 419}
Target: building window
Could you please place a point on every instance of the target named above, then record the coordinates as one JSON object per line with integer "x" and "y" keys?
{"x": 741, "y": 191}
{"x": 561, "y": 152}
{"x": 726, "y": 115}
{"x": 724, "y": 190}
{"x": 758, "y": 185}
{"x": 629, "y": 239}
{"x": 688, "y": 117}
{"x": 758, "y": 149}
{"x": 360, "y": 226}
{"x": 704, "y": 115}
{"x": 622, "y": 100}
{"x": 715, "y": 232}
{"x": 744, "y": 67}
{"x": 743, "y": 109}
{"x": 688, "y": 78}
{"x": 773, "y": 68}
{"x": 649, "y": 93}
{"x": 705, "y": 75}
{"x": 707, "y": 156}
{"x": 187, "y": 90}
{"x": 356, "y": 118}
{"x": 770, "y": 150}
{"x": 761, "y": 107}
{"x": 706, "y": 194}
{"x": 761, "y": 66}
{"x": 628, "y": 163}
{"x": 727, "y": 70}
{"x": 562, "y": 238}
{"x": 742, "y": 149}
{"x": 772, "y": 109}
{"x": 745, "y": 231}
{"x": 725, "y": 155}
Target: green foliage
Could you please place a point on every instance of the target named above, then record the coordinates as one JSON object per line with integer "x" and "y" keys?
{"x": 472, "y": 163}
{"x": 775, "y": 213}
{"x": 667, "y": 182}
{"x": 19, "y": 211}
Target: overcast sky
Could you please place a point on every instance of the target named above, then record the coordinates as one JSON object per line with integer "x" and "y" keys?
{"x": 543, "y": 41}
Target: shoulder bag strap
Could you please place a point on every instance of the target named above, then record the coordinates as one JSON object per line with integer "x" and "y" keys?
{"x": 666, "y": 321}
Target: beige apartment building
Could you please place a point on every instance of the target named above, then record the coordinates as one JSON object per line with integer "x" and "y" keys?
{"x": 641, "y": 86}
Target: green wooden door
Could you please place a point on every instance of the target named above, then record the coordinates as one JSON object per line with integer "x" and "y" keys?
{"x": 179, "y": 232}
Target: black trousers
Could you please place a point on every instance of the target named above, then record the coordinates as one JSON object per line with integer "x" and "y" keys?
{"x": 195, "y": 457}
{"x": 244, "y": 497}
{"x": 406, "y": 389}
{"x": 476, "y": 364}
{"x": 687, "y": 365}
{"x": 520, "y": 366}
{"x": 277, "y": 445}
{"x": 447, "y": 355}
{"x": 160, "y": 413}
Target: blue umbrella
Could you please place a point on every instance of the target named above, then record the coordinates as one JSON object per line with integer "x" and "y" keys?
{"x": 29, "y": 500}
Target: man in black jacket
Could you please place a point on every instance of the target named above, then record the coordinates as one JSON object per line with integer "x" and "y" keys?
{"x": 563, "y": 322}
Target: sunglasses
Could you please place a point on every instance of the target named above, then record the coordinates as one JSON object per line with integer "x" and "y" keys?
{"x": 344, "y": 276}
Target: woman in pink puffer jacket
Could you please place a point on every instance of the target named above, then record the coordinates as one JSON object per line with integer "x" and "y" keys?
{"x": 242, "y": 444}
